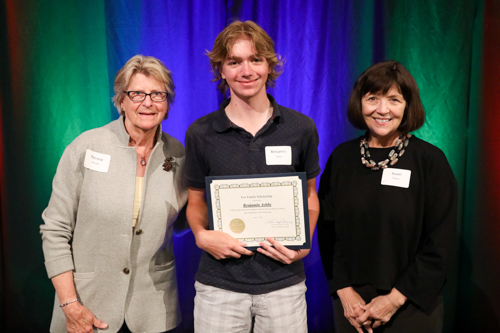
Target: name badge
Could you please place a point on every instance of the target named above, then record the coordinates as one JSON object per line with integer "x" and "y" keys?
{"x": 279, "y": 155}
{"x": 396, "y": 177}
{"x": 96, "y": 161}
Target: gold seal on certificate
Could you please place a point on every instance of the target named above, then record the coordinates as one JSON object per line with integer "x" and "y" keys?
{"x": 254, "y": 207}
{"x": 237, "y": 226}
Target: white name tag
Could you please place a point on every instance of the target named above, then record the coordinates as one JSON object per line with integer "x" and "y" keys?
{"x": 96, "y": 161}
{"x": 396, "y": 177}
{"x": 279, "y": 155}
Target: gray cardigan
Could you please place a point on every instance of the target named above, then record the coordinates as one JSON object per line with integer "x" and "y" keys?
{"x": 119, "y": 274}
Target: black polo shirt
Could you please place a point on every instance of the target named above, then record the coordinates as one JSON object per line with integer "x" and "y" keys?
{"x": 217, "y": 147}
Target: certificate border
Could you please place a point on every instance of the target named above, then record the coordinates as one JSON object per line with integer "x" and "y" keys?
{"x": 305, "y": 212}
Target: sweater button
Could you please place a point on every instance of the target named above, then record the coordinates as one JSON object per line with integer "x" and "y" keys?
{"x": 138, "y": 232}
{"x": 126, "y": 270}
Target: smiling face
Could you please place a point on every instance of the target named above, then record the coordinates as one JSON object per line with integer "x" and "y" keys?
{"x": 383, "y": 115}
{"x": 245, "y": 72}
{"x": 144, "y": 116}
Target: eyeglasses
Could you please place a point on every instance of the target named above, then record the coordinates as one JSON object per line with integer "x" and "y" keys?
{"x": 139, "y": 96}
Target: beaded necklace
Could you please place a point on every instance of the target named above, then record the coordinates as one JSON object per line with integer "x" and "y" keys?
{"x": 394, "y": 155}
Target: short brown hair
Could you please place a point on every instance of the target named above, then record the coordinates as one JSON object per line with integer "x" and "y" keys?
{"x": 149, "y": 66}
{"x": 263, "y": 44}
{"x": 380, "y": 78}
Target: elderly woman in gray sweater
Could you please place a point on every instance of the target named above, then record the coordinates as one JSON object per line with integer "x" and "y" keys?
{"x": 107, "y": 237}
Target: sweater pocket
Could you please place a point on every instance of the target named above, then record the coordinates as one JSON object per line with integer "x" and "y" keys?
{"x": 164, "y": 276}
{"x": 164, "y": 267}
{"x": 85, "y": 287}
{"x": 83, "y": 276}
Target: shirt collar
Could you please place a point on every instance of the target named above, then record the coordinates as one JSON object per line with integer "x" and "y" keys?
{"x": 118, "y": 127}
{"x": 222, "y": 123}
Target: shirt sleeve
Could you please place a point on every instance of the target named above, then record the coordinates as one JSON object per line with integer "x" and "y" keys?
{"x": 329, "y": 245}
{"x": 424, "y": 278}
{"x": 60, "y": 215}
{"x": 196, "y": 167}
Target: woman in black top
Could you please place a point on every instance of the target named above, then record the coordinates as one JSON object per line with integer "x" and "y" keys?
{"x": 388, "y": 212}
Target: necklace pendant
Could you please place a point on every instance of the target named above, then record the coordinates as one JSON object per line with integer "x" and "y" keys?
{"x": 143, "y": 161}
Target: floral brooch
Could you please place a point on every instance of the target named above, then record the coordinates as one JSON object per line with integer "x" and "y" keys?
{"x": 167, "y": 165}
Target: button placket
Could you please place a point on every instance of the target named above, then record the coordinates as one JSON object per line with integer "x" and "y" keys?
{"x": 254, "y": 145}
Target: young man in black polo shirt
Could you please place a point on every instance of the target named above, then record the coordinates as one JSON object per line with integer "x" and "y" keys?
{"x": 237, "y": 289}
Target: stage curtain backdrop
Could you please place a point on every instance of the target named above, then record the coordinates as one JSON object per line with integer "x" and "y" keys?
{"x": 60, "y": 58}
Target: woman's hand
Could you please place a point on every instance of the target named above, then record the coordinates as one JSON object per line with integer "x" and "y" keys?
{"x": 352, "y": 303}
{"x": 280, "y": 253}
{"x": 79, "y": 319}
{"x": 382, "y": 308}
{"x": 220, "y": 245}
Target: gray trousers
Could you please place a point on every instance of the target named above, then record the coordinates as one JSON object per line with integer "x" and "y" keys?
{"x": 222, "y": 311}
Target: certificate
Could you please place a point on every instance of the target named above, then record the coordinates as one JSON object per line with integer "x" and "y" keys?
{"x": 251, "y": 208}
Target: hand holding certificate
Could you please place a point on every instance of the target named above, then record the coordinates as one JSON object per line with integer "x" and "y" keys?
{"x": 252, "y": 208}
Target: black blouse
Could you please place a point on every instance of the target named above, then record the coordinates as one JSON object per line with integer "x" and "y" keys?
{"x": 388, "y": 236}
